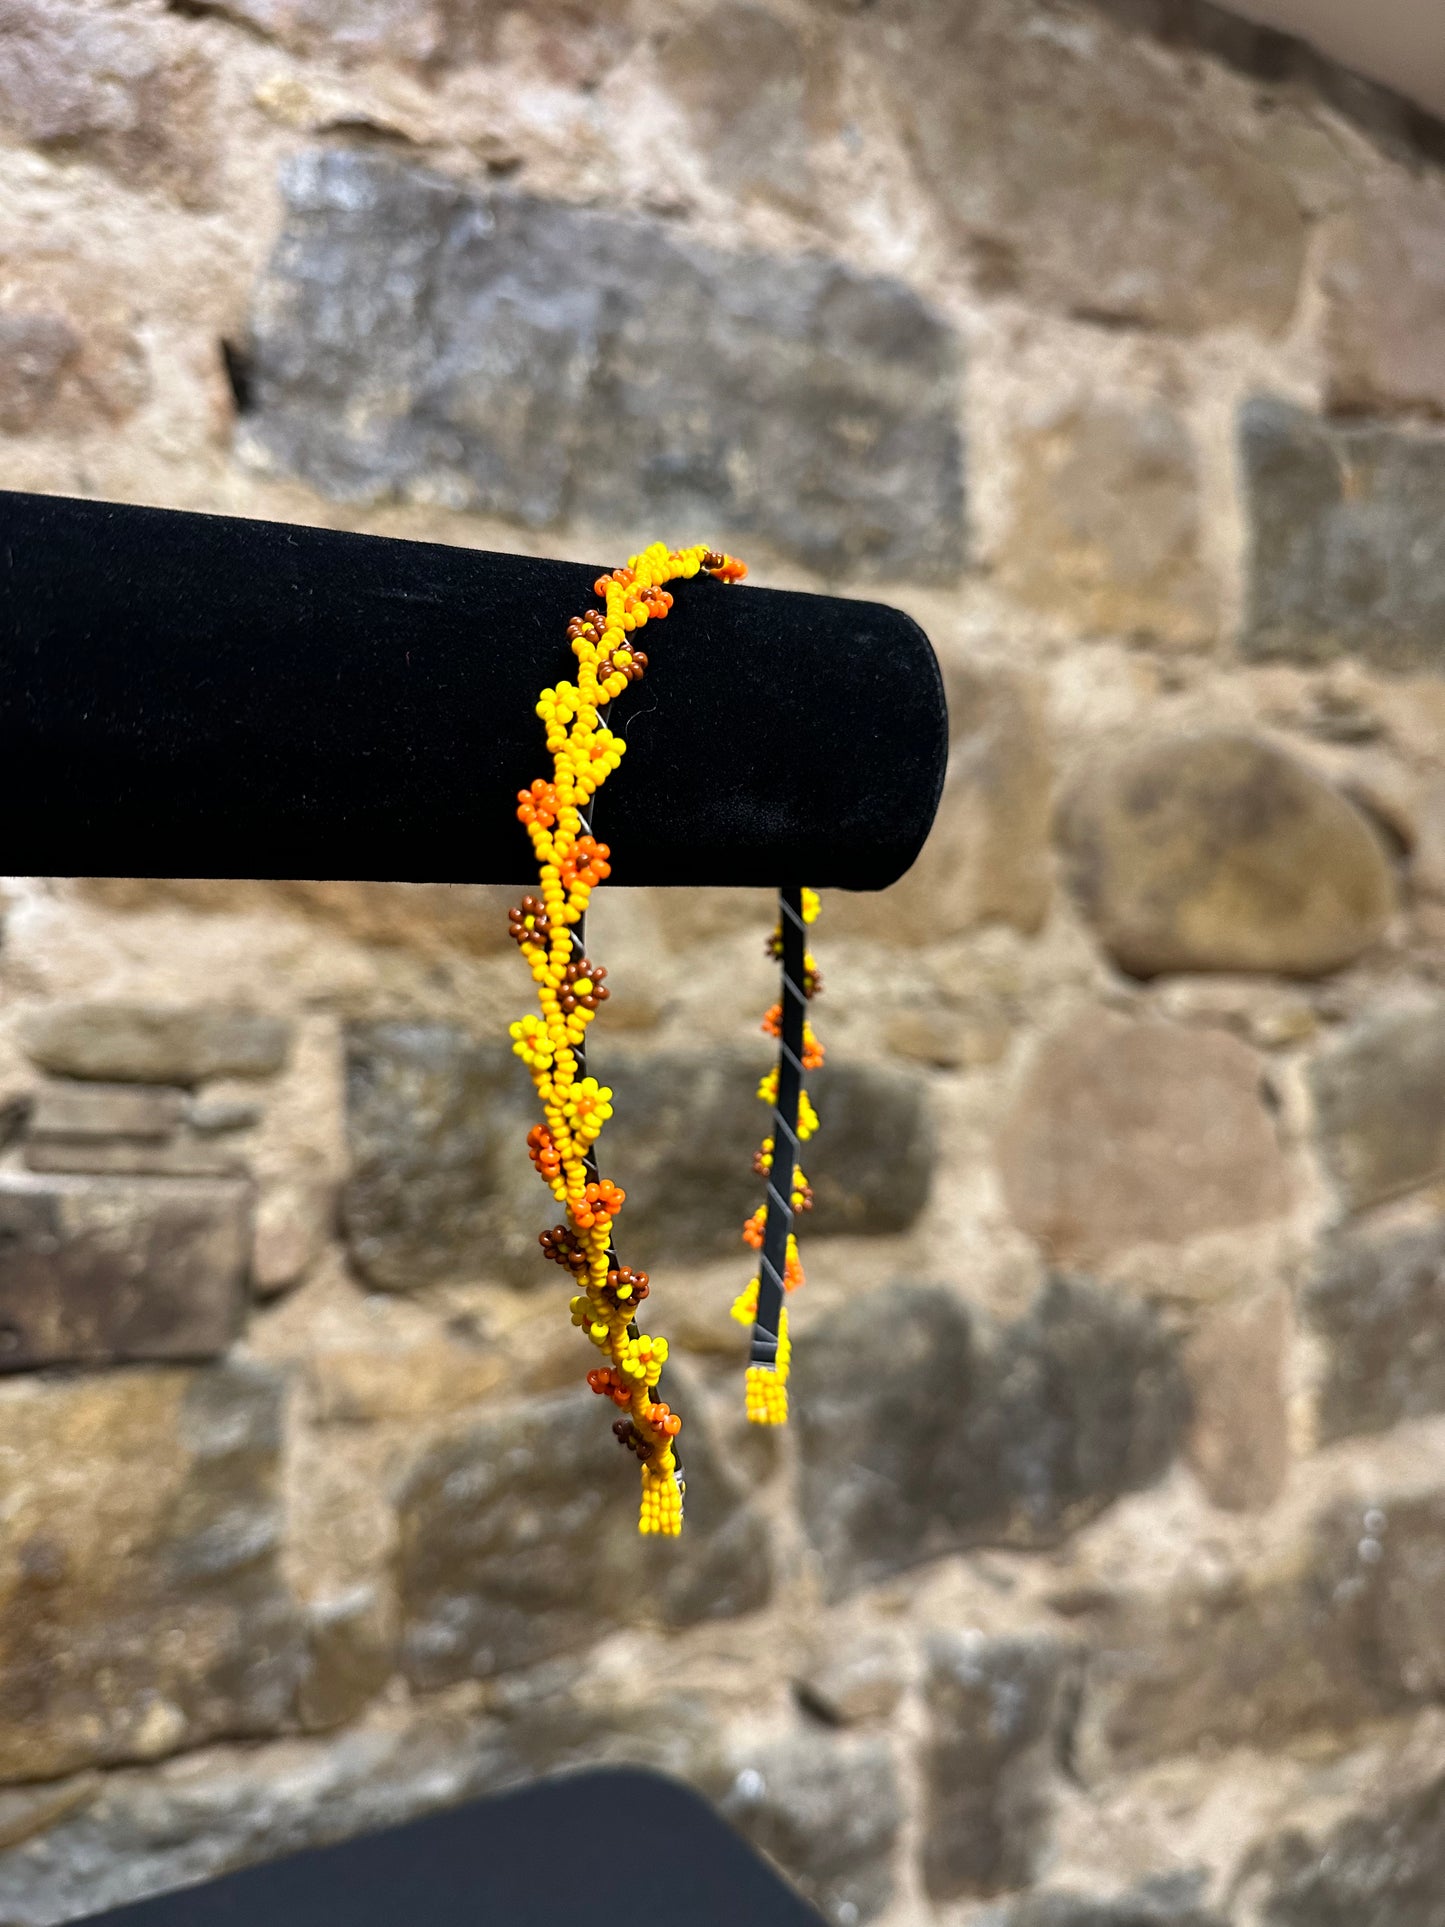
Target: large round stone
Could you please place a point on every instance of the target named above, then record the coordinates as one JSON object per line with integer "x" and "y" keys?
{"x": 1218, "y": 852}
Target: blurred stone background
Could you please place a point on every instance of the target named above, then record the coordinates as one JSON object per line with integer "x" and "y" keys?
{"x": 1098, "y": 1582}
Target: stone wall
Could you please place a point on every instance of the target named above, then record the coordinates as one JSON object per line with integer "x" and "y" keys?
{"x": 1098, "y": 1582}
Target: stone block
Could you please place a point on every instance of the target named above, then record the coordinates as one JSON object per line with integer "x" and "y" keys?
{"x": 1338, "y": 1627}
{"x": 1237, "y": 1363}
{"x": 1082, "y": 172}
{"x": 1384, "y": 1866}
{"x": 1346, "y": 539}
{"x": 987, "y": 857}
{"x": 97, "y": 1112}
{"x": 1380, "y": 1105}
{"x": 350, "y": 1655}
{"x": 850, "y": 1681}
{"x": 1377, "y": 1304}
{"x": 1105, "y": 529}
{"x": 1383, "y": 279}
{"x": 155, "y": 1043}
{"x": 760, "y": 101}
{"x": 540, "y": 361}
{"x": 513, "y": 1530}
{"x": 576, "y": 36}
{"x": 1129, "y": 1132}
{"x": 828, "y": 1813}
{"x": 121, "y": 93}
{"x": 70, "y": 357}
{"x": 96, "y": 1270}
{"x": 997, "y": 1717}
{"x": 432, "y": 919}
{"x": 921, "y": 1432}
{"x": 1170, "y": 1902}
{"x": 1214, "y": 851}
{"x": 441, "y": 1187}
{"x": 144, "y": 1609}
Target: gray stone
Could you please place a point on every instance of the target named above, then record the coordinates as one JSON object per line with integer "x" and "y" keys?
{"x": 921, "y": 1433}
{"x": 111, "y": 1839}
{"x": 1380, "y": 1101}
{"x": 156, "y": 1043}
{"x": 96, "y": 1270}
{"x": 117, "y": 92}
{"x": 1214, "y": 851}
{"x": 1129, "y": 1132}
{"x": 1079, "y": 171}
{"x": 828, "y": 1813}
{"x": 1385, "y": 1868}
{"x": 686, "y": 1127}
{"x": 512, "y": 1530}
{"x": 548, "y": 363}
{"x": 141, "y": 1566}
{"x": 1378, "y": 1305}
{"x": 1173, "y": 1901}
{"x": 441, "y": 1187}
{"x": 1336, "y": 1628}
{"x": 997, "y": 1717}
{"x": 1347, "y": 539}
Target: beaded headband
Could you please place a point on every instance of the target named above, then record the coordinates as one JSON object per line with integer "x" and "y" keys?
{"x": 551, "y": 933}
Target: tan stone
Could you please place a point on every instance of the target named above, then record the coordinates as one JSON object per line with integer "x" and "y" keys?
{"x": 1384, "y": 285}
{"x": 761, "y": 97}
{"x": 430, "y": 918}
{"x": 573, "y": 41}
{"x": 70, "y": 358}
{"x": 1131, "y": 1132}
{"x": 1238, "y": 1440}
{"x": 363, "y": 1386}
{"x": 156, "y": 1043}
{"x": 1216, "y": 851}
{"x": 1106, "y": 523}
{"x": 987, "y": 857}
{"x": 141, "y": 1604}
{"x": 120, "y": 92}
{"x": 1427, "y": 859}
{"x": 1086, "y": 172}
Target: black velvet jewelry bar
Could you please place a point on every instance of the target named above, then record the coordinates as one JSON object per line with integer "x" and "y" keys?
{"x": 195, "y": 695}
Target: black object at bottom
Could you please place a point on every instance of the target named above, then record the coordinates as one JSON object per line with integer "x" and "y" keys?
{"x": 573, "y": 1852}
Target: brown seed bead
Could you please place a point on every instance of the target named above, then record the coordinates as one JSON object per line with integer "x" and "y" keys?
{"x": 564, "y": 1248}
{"x": 625, "y": 1275}
{"x": 805, "y": 1201}
{"x": 581, "y": 970}
{"x": 528, "y": 922}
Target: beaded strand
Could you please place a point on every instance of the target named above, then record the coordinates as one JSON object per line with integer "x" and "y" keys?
{"x": 761, "y": 1304}
{"x": 570, "y": 991}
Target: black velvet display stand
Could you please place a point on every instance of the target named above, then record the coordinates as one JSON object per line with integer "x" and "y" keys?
{"x": 539, "y": 1858}
{"x": 195, "y": 696}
